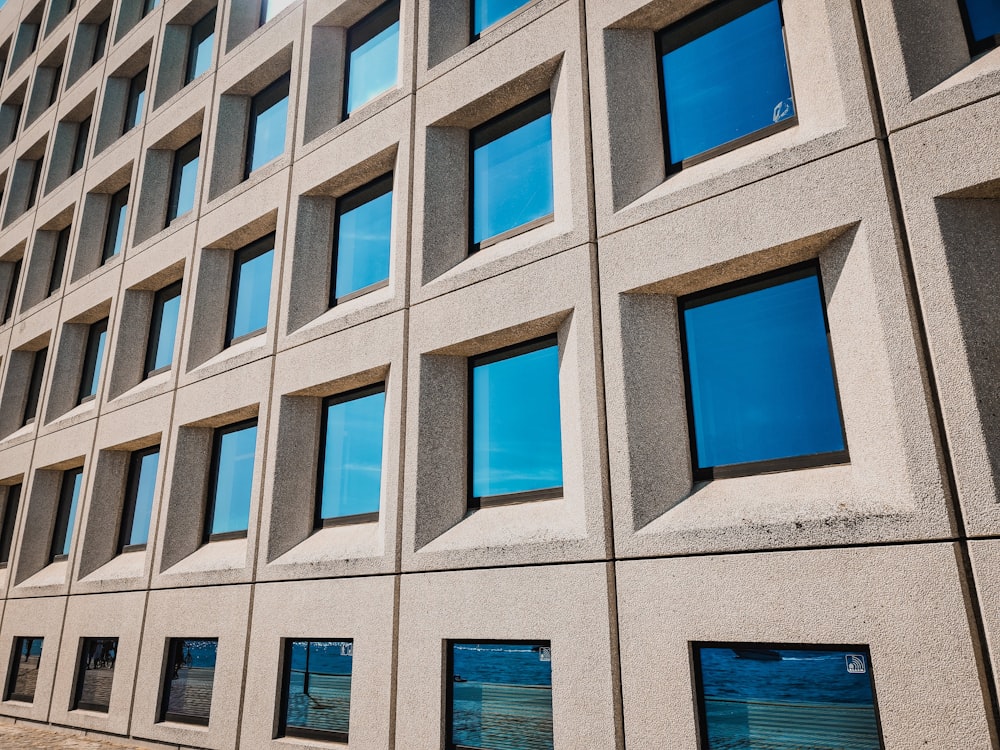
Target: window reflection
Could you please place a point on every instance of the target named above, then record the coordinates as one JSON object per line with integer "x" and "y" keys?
{"x": 250, "y": 290}
{"x": 189, "y": 680}
{"x": 232, "y": 475}
{"x": 485, "y": 13}
{"x": 114, "y": 233}
{"x": 92, "y": 360}
{"x": 139, "y": 488}
{"x": 96, "y": 674}
{"x": 362, "y": 232}
{"x": 200, "y": 47}
{"x": 69, "y": 499}
{"x": 268, "y": 119}
{"x": 24, "y": 666}
{"x": 317, "y": 694}
{"x": 372, "y": 56}
{"x": 184, "y": 179}
{"x": 163, "y": 328}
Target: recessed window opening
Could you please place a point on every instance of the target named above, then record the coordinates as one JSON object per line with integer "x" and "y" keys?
{"x": 268, "y": 121}
{"x": 10, "y": 507}
{"x": 199, "y": 57}
{"x": 189, "y": 679}
{"x": 183, "y": 180}
{"x": 724, "y": 80}
{"x": 56, "y": 81}
{"x": 69, "y": 500}
{"x": 250, "y": 290}
{"x": 59, "y": 260}
{"x": 316, "y": 689}
{"x": 137, "y": 511}
{"x": 362, "y": 240}
{"x": 92, "y": 360}
{"x": 515, "y": 453}
{"x": 95, "y": 674}
{"x": 982, "y": 24}
{"x": 15, "y": 278}
{"x": 114, "y": 230}
{"x": 163, "y": 329}
{"x": 80, "y": 146}
{"x": 230, "y": 493}
{"x": 488, "y": 13}
{"x": 34, "y": 386}
{"x": 372, "y": 56}
{"x": 271, "y": 8}
{"x": 25, "y": 660}
{"x": 100, "y": 41}
{"x": 761, "y": 387}
{"x": 36, "y": 179}
{"x": 136, "y": 100}
{"x": 511, "y": 166}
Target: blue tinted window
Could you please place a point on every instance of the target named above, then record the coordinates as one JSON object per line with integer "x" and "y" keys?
{"x": 163, "y": 328}
{"x": 501, "y": 696}
{"x": 363, "y": 236}
{"x": 318, "y": 689}
{"x": 136, "y": 100}
{"x": 270, "y": 8}
{"x": 724, "y": 77}
{"x": 200, "y": 46}
{"x": 756, "y": 696}
{"x": 251, "y": 289}
{"x": 190, "y": 679}
{"x": 27, "y": 657}
{"x": 760, "y": 372}
{"x": 268, "y": 117}
{"x": 512, "y": 172}
{"x": 114, "y": 233}
{"x": 351, "y": 470}
{"x": 487, "y": 12}
{"x": 373, "y": 56}
{"x": 69, "y": 498}
{"x": 516, "y": 438}
{"x": 184, "y": 180}
{"x": 139, "y": 500}
{"x": 234, "y": 454}
{"x": 93, "y": 358}
{"x": 984, "y": 20}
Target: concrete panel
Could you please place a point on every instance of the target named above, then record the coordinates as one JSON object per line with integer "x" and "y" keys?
{"x": 32, "y": 618}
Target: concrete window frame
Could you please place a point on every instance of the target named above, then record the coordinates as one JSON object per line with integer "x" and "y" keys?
{"x": 46, "y": 84}
{"x": 59, "y": 11}
{"x": 24, "y": 389}
{"x": 112, "y": 122}
{"x": 74, "y": 353}
{"x": 70, "y": 145}
{"x": 49, "y": 259}
{"x": 11, "y": 113}
{"x": 25, "y": 181}
{"x": 131, "y": 13}
{"x": 25, "y": 618}
{"x": 174, "y": 71}
{"x": 27, "y": 37}
{"x": 96, "y": 216}
{"x": 92, "y": 42}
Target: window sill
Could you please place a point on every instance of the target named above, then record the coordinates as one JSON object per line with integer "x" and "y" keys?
{"x": 496, "y": 239}
{"x": 361, "y": 292}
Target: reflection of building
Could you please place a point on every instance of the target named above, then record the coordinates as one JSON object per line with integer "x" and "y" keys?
{"x": 338, "y": 332}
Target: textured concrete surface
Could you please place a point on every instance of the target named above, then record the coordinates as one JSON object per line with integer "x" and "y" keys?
{"x": 31, "y": 737}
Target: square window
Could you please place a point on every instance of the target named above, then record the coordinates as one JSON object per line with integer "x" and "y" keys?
{"x": 92, "y": 360}
{"x": 228, "y": 513}
{"x": 69, "y": 499}
{"x": 760, "y": 379}
{"x": 499, "y": 695}
{"x": 199, "y": 56}
{"x": 512, "y": 172}
{"x": 15, "y": 277}
{"x": 268, "y": 119}
{"x": 59, "y": 260}
{"x": 372, "y": 56}
{"x": 982, "y": 23}
{"x": 163, "y": 329}
{"x": 250, "y": 290}
{"x": 189, "y": 676}
{"x": 270, "y": 8}
{"x": 316, "y": 692}
{"x": 350, "y": 468}
{"x": 34, "y": 386}
{"x": 486, "y": 13}
{"x": 766, "y": 695}
{"x": 183, "y": 179}
{"x": 80, "y": 146}
{"x": 516, "y": 450}
{"x": 362, "y": 240}
{"x": 137, "y": 511}
{"x": 10, "y": 507}
{"x": 114, "y": 231}
{"x": 724, "y": 80}
{"x": 23, "y": 675}
{"x": 95, "y": 674}
{"x": 135, "y": 101}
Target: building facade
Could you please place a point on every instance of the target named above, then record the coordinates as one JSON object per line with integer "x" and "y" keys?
{"x": 561, "y": 374}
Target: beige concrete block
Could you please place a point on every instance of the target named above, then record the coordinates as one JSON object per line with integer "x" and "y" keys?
{"x": 32, "y": 618}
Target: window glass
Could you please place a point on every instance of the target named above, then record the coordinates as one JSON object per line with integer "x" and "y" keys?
{"x": 983, "y": 19}
{"x": 136, "y": 98}
{"x": 758, "y": 695}
{"x": 183, "y": 182}
{"x": 35, "y": 385}
{"x": 100, "y": 40}
{"x": 200, "y": 47}
{"x": 59, "y": 260}
{"x": 500, "y": 696}
{"x": 372, "y": 56}
{"x": 36, "y": 178}
{"x": 725, "y": 76}
{"x": 487, "y": 12}
{"x": 114, "y": 233}
{"x": 761, "y": 384}
{"x": 268, "y": 118}
{"x": 189, "y": 680}
{"x": 80, "y": 148}
{"x": 317, "y": 695}
{"x": 250, "y": 289}
{"x": 23, "y": 675}
{"x": 232, "y": 479}
{"x": 270, "y": 8}
{"x": 512, "y": 170}
{"x": 9, "y": 519}
{"x": 69, "y": 498}
{"x": 139, "y": 488}
{"x": 350, "y": 478}
{"x": 362, "y": 232}
{"x": 92, "y": 359}
{"x": 54, "y": 86}
{"x": 516, "y": 437}
{"x": 15, "y": 277}
{"x": 96, "y": 674}
{"x": 163, "y": 328}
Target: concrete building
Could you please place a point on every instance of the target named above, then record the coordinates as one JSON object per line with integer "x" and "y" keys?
{"x": 138, "y": 188}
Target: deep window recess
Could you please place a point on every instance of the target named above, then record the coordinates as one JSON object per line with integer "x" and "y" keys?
{"x": 485, "y": 13}
{"x": 188, "y": 680}
{"x": 183, "y": 179}
{"x": 511, "y": 164}
{"x": 163, "y": 329}
{"x": 23, "y": 675}
{"x": 36, "y": 179}
{"x": 15, "y": 277}
{"x": 982, "y": 24}
{"x": 69, "y": 499}
{"x": 92, "y": 360}
{"x": 350, "y": 467}
{"x": 499, "y": 695}
{"x": 516, "y": 440}
{"x": 135, "y": 101}
{"x": 137, "y": 510}
{"x": 80, "y": 146}
{"x": 769, "y": 695}
{"x": 100, "y": 40}
{"x": 250, "y": 290}
{"x": 114, "y": 230}
{"x": 199, "y": 56}
{"x": 34, "y": 386}
{"x": 724, "y": 80}
{"x": 268, "y": 120}
{"x": 229, "y": 498}
{"x": 761, "y": 390}
{"x": 95, "y": 674}
{"x": 59, "y": 260}
{"x": 9, "y": 519}
{"x": 362, "y": 240}
{"x": 372, "y": 56}
{"x": 56, "y": 81}
{"x": 270, "y": 8}
{"x": 316, "y": 690}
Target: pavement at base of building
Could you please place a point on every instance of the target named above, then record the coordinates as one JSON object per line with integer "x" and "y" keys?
{"x": 22, "y": 737}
